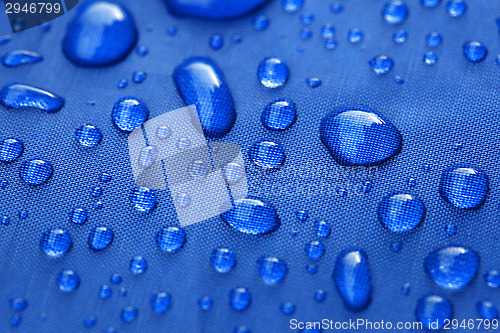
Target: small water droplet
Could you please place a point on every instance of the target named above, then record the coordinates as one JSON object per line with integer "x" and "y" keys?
{"x": 336, "y": 7}
{"x": 397, "y": 246}
{"x": 452, "y": 267}
{"x": 279, "y": 115}
{"x": 320, "y": 296}
{"x": 56, "y": 242}
{"x": 430, "y": 58}
{"x": 143, "y": 198}
{"x": 88, "y": 135}
{"x": 301, "y": 215}
{"x": 198, "y": 169}
{"x": 433, "y": 39}
{"x": 223, "y": 259}
{"x": 236, "y": 39}
{"x": 252, "y": 215}
{"x": 147, "y": 156}
{"x": 115, "y": 278}
{"x": 267, "y": 154}
{"x": 430, "y": 3}
{"x": 475, "y": 51}
{"x": 100, "y": 238}
{"x": 105, "y": 291}
{"x": 90, "y": 321}
{"x": 261, "y": 23}
{"x": 68, "y": 281}
{"x": 10, "y": 149}
{"x": 142, "y": 50}
{"x": 487, "y": 310}
{"x": 306, "y": 18}
{"x": 464, "y": 187}
{"x": 138, "y": 265}
{"x": 18, "y": 304}
{"x": 406, "y": 288}
{"x": 395, "y": 12}
{"x": 163, "y": 132}
{"x": 78, "y": 216}
{"x": 205, "y": 303}
{"x": 399, "y": 80}
{"x": 287, "y": 308}
{"x": 160, "y": 302}
{"x": 314, "y": 249}
{"x": 23, "y": 214}
{"x": 123, "y": 83}
{"x": 139, "y": 77}
{"x": 306, "y": 33}
{"x": 273, "y": 72}
{"x": 456, "y": 8}
{"x": 240, "y": 298}
{"x": 328, "y": 44}
{"x": 4, "y": 220}
{"x": 381, "y": 64}
{"x": 292, "y": 6}
{"x": 183, "y": 200}
{"x": 400, "y": 36}
{"x": 323, "y": 229}
{"x": 492, "y": 279}
{"x": 96, "y": 192}
{"x": 312, "y": 268}
{"x": 129, "y": 313}
{"x": 313, "y": 82}
{"x": 170, "y": 239}
{"x": 15, "y": 321}
{"x": 97, "y": 205}
{"x": 451, "y": 229}
{"x": 242, "y": 329}
{"x": 401, "y": 212}
{"x": 129, "y": 113}
{"x": 355, "y": 36}
{"x": 328, "y": 31}
{"x": 434, "y": 309}
{"x": 21, "y": 57}
{"x": 271, "y": 269}
{"x": 216, "y": 41}
{"x": 123, "y": 292}
{"x": 21, "y": 96}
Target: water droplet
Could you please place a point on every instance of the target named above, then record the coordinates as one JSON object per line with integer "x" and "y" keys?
{"x": 355, "y": 36}
{"x": 170, "y": 239}
{"x": 430, "y": 58}
{"x": 273, "y": 72}
{"x": 10, "y": 149}
{"x": 313, "y": 82}
{"x": 456, "y": 8}
{"x": 397, "y": 246}
{"x": 35, "y": 172}
{"x": 223, "y": 259}
{"x": 292, "y": 6}
{"x": 430, "y": 3}
{"x": 271, "y": 269}
{"x": 96, "y": 192}
{"x": 381, "y": 64}
{"x": 253, "y": 216}
{"x": 306, "y": 18}
{"x": 17, "y": 58}
{"x": 487, "y": 310}
{"x": 142, "y": 50}
{"x": 475, "y": 51}
{"x": 98, "y": 205}
{"x": 202, "y": 83}
{"x": 320, "y": 296}
{"x": 123, "y": 83}
{"x": 160, "y": 302}
{"x": 301, "y": 215}
{"x": 15, "y": 321}
{"x": 139, "y": 77}
{"x": 287, "y": 308}
{"x": 328, "y": 44}
{"x": 434, "y": 309}
{"x": 433, "y": 39}
{"x": 18, "y": 304}
{"x": 336, "y": 7}
{"x": 312, "y": 268}
{"x": 406, "y": 288}
{"x": 399, "y": 79}
{"x": 78, "y": 216}
{"x": 401, "y": 212}
{"x": 138, "y": 265}
{"x": 147, "y": 156}
{"x": 101, "y": 34}
{"x": 143, "y": 198}
{"x": 306, "y": 33}
{"x": 315, "y": 249}
{"x": 492, "y": 279}
{"x": 233, "y": 172}
{"x": 267, "y": 154}
{"x": 100, "y": 238}
{"x": 123, "y": 292}
{"x": 328, "y": 31}
{"x": 56, "y": 242}
{"x": 163, "y": 132}
{"x": 198, "y": 169}
{"x": 115, "y": 278}
{"x": 261, "y": 23}
{"x": 90, "y": 321}
{"x": 323, "y": 229}
{"x": 353, "y": 280}
{"x": 68, "y": 281}
{"x": 451, "y": 229}
{"x": 216, "y": 41}
{"x": 358, "y": 136}
{"x": 279, "y": 115}
{"x": 3, "y": 184}
{"x": 4, "y": 220}
{"x": 23, "y": 96}
{"x": 129, "y": 314}
{"x": 88, "y": 135}
{"x": 452, "y": 267}
{"x": 23, "y": 214}
{"x": 129, "y": 113}
{"x": 214, "y": 9}
{"x": 395, "y": 12}
{"x": 105, "y": 291}
{"x": 411, "y": 182}
{"x": 242, "y": 329}
{"x": 240, "y": 298}
{"x": 205, "y": 303}
{"x": 183, "y": 200}
{"x": 399, "y": 37}
{"x": 463, "y": 187}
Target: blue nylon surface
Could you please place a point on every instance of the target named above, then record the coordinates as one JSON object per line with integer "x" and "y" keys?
{"x": 453, "y": 101}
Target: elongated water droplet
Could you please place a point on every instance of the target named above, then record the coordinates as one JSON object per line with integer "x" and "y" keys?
{"x": 261, "y": 23}
{"x": 323, "y": 229}
{"x": 253, "y": 216}
{"x": 223, "y": 259}
{"x": 357, "y": 136}
{"x": 201, "y": 82}
{"x": 10, "y": 149}
{"x": 213, "y": 9}
{"x": 17, "y": 58}
{"x": 170, "y": 239}
{"x": 147, "y": 156}
{"x": 353, "y": 280}
{"x": 271, "y": 269}
{"x": 100, "y": 238}
{"x": 216, "y": 41}
{"x": 21, "y": 96}
{"x": 272, "y": 72}
{"x": 240, "y": 298}
{"x": 101, "y": 34}
{"x": 434, "y": 309}
{"x": 492, "y": 279}
{"x": 401, "y": 212}
{"x": 463, "y": 187}
{"x": 129, "y": 113}
{"x": 56, "y": 242}
{"x": 160, "y": 302}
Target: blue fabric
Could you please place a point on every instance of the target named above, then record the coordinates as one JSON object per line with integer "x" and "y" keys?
{"x": 453, "y": 102}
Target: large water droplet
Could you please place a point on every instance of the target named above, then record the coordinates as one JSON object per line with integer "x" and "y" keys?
{"x": 271, "y": 269}
{"x": 464, "y": 187}
{"x": 160, "y": 302}
{"x": 253, "y": 216}
{"x": 381, "y": 64}
{"x": 129, "y": 314}
{"x": 23, "y": 96}
{"x": 395, "y": 12}
{"x": 401, "y": 212}
{"x": 170, "y": 239}
{"x": 240, "y": 298}
{"x": 475, "y": 51}
{"x": 272, "y": 72}
{"x": 456, "y": 8}
{"x": 56, "y": 242}
{"x": 357, "y": 136}
{"x": 201, "y": 82}
{"x": 10, "y": 149}
{"x": 138, "y": 265}
{"x": 353, "y": 280}
{"x": 279, "y": 115}
{"x": 213, "y": 9}
{"x": 100, "y": 238}
{"x": 223, "y": 259}
{"x": 267, "y": 154}
{"x": 17, "y": 58}
{"x": 88, "y": 135}
{"x": 101, "y": 34}
{"x": 68, "y": 280}
{"x": 35, "y": 172}
{"x": 434, "y": 310}
{"x": 452, "y": 267}
{"x": 487, "y": 310}
{"x": 129, "y": 113}
{"x": 143, "y": 198}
